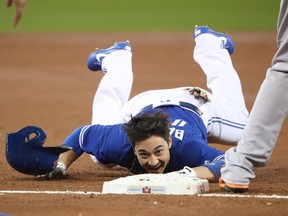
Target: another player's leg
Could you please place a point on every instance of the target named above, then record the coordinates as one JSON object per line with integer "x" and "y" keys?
{"x": 115, "y": 87}
{"x": 266, "y": 118}
{"x": 228, "y": 113}
{"x": 260, "y": 134}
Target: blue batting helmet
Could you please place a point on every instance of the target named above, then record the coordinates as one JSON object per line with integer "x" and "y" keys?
{"x": 25, "y": 153}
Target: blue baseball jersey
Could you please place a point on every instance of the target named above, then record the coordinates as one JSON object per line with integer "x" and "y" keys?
{"x": 109, "y": 144}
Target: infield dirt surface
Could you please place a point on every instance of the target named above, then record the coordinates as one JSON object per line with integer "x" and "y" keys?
{"x": 44, "y": 82}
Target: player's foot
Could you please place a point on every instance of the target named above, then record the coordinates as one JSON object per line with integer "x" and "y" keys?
{"x": 227, "y": 42}
{"x": 94, "y": 62}
{"x": 236, "y": 188}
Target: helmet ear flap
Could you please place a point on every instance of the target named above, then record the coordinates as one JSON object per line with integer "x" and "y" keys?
{"x": 26, "y": 154}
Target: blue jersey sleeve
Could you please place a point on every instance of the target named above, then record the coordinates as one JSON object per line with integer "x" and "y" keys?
{"x": 73, "y": 141}
{"x": 109, "y": 144}
{"x": 215, "y": 166}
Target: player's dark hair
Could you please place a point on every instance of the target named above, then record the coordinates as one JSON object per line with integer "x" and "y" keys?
{"x": 146, "y": 125}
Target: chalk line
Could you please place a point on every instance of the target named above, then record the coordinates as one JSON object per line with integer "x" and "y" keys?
{"x": 49, "y": 192}
{"x": 260, "y": 196}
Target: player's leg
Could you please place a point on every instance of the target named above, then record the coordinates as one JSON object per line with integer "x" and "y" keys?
{"x": 227, "y": 110}
{"x": 261, "y": 132}
{"x": 267, "y": 115}
{"x": 115, "y": 86}
{"x": 112, "y": 93}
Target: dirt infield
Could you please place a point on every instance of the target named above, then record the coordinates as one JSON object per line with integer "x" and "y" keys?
{"x": 44, "y": 82}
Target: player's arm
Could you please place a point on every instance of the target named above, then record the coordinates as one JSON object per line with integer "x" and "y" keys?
{"x": 67, "y": 158}
{"x": 203, "y": 161}
{"x": 210, "y": 171}
{"x": 19, "y": 9}
{"x": 204, "y": 173}
{"x": 211, "y": 160}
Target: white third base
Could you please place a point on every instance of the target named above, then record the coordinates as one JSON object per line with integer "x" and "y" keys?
{"x": 156, "y": 184}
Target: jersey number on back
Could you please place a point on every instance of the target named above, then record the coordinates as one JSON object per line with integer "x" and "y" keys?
{"x": 178, "y": 133}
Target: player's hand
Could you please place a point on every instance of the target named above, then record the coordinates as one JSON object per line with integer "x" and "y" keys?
{"x": 60, "y": 172}
{"x": 186, "y": 171}
{"x": 19, "y": 9}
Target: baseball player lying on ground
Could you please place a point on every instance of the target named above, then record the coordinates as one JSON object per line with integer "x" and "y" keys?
{"x": 170, "y": 129}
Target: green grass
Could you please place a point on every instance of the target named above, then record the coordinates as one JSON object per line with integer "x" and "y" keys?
{"x": 141, "y": 15}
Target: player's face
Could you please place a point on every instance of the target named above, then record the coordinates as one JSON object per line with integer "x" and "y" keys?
{"x": 153, "y": 153}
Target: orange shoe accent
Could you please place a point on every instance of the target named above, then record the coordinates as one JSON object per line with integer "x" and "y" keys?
{"x": 221, "y": 183}
{"x": 236, "y": 188}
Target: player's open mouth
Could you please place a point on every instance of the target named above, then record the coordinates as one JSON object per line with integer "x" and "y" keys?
{"x": 154, "y": 169}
